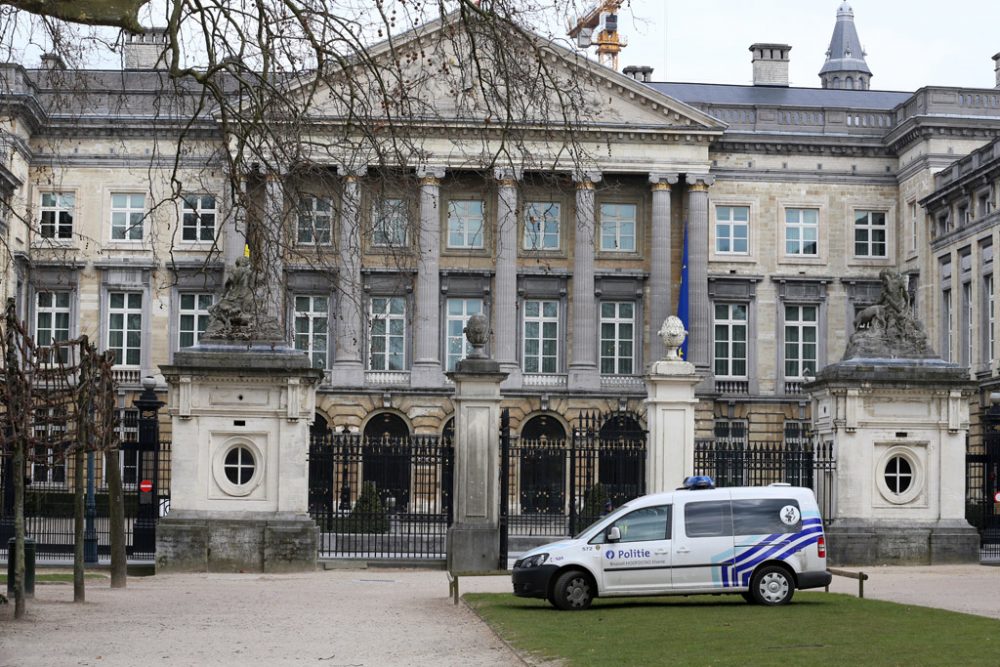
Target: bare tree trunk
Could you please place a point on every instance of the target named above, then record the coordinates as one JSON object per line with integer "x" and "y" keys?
{"x": 116, "y": 510}
{"x": 18, "y": 466}
{"x": 79, "y": 594}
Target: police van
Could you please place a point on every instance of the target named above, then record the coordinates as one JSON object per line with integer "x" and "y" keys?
{"x": 759, "y": 542}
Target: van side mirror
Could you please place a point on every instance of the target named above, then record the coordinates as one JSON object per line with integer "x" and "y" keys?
{"x": 614, "y": 534}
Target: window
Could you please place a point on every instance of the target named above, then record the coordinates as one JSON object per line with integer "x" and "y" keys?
{"x": 732, "y": 230}
{"x": 801, "y": 331}
{"x": 983, "y": 205}
{"x": 46, "y": 468}
{"x": 194, "y": 317}
{"x": 730, "y": 340}
{"x": 708, "y": 519}
{"x": 989, "y": 317}
{"x": 239, "y": 465}
{"x": 311, "y": 320}
{"x": 967, "y": 323}
{"x": 388, "y": 334}
{"x": 898, "y": 475}
{"x": 913, "y": 226}
{"x": 315, "y": 221}
{"x": 802, "y": 232}
{"x": 198, "y": 222}
{"x": 458, "y": 313}
{"x": 963, "y": 215}
{"x": 390, "y": 224}
{"x": 52, "y": 321}
{"x": 125, "y": 327}
{"x": 766, "y": 516}
{"x": 541, "y": 337}
{"x": 127, "y": 213}
{"x": 465, "y": 223}
{"x": 617, "y": 337}
{"x": 618, "y": 227}
{"x": 57, "y": 215}
{"x": 541, "y": 226}
{"x": 644, "y": 525}
{"x": 869, "y": 234}
{"x": 946, "y": 324}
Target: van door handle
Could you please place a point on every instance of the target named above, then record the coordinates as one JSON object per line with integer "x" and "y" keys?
{"x": 661, "y": 552}
{"x": 683, "y": 550}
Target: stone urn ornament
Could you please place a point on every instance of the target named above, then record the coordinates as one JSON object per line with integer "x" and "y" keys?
{"x": 477, "y": 332}
{"x": 673, "y": 334}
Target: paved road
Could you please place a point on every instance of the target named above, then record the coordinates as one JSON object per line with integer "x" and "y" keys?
{"x": 338, "y": 618}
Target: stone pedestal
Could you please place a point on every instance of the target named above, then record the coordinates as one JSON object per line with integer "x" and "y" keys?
{"x": 474, "y": 536}
{"x": 898, "y": 429}
{"x": 240, "y": 417}
{"x": 670, "y": 408}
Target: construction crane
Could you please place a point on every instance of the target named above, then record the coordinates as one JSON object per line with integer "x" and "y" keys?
{"x": 601, "y": 21}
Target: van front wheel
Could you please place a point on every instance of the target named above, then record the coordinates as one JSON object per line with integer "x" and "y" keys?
{"x": 573, "y": 591}
{"x": 772, "y": 585}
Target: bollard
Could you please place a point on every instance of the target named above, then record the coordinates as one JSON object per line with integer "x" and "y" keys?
{"x": 29, "y": 567}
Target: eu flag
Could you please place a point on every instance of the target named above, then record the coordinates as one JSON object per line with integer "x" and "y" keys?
{"x": 682, "y": 299}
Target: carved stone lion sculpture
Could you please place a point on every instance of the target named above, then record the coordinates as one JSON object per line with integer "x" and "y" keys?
{"x": 673, "y": 334}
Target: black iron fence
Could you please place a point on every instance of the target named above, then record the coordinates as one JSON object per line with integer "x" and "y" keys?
{"x": 982, "y": 495}
{"x": 381, "y": 498}
{"x": 558, "y": 487}
{"x": 49, "y": 501}
{"x": 796, "y": 461}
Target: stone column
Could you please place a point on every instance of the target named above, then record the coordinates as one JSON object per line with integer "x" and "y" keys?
{"x": 505, "y": 289}
{"x": 670, "y": 416}
{"x": 699, "y": 307}
{"x": 426, "y": 368}
{"x": 661, "y": 267}
{"x": 583, "y": 372}
{"x": 474, "y": 536}
{"x": 270, "y": 258}
{"x": 348, "y": 367}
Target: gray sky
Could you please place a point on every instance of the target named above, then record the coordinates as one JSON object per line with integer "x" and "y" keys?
{"x": 910, "y": 43}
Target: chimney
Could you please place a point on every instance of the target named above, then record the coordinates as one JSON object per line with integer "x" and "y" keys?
{"x": 996, "y": 68}
{"x": 770, "y": 64}
{"x": 147, "y": 49}
{"x": 53, "y": 61}
{"x": 632, "y": 72}
{"x": 643, "y": 73}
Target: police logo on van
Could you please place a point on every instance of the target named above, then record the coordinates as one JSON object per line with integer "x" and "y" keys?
{"x": 789, "y": 515}
{"x": 609, "y": 554}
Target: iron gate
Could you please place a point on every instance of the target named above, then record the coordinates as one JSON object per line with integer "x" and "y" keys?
{"x": 556, "y": 487}
{"x": 386, "y": 497}
{"x": 982, "y": 486}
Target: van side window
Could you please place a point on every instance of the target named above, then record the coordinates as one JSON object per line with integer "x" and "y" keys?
{"x": 708, "y": 519}
{"x": 646, "y": 524}
{"x": 764, "y": 516}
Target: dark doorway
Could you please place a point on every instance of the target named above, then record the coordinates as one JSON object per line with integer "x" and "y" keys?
{"x": 543, "y": 466}
{"x": 386, "y": 459}
{"x": 621, "y": 459}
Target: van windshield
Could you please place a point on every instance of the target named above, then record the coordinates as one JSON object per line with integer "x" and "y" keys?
{"x": 604, "y": 519}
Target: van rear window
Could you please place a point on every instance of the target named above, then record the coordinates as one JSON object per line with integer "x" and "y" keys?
{"x": 764, "y": 516}
{"x": 708, "y": 519}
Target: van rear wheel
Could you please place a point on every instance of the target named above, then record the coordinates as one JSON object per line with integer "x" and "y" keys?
{"x": 772, "y": 585}
{"x": 573, "y": 591}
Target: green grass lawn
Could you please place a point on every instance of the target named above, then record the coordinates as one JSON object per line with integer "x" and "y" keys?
{"x": 56, "y": 578}
{"x": 815, "y": 629}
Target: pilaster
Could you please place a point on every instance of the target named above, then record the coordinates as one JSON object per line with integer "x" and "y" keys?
{"x": 270, "y": 246}
{"x": 583, "y": 373}
{"x": 670, "y": 411}
{"x": 660, "y": 301}
{"x": 426, "y": 368}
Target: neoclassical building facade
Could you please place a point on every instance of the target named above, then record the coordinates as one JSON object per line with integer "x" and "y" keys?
{"x": 786, "y": 203}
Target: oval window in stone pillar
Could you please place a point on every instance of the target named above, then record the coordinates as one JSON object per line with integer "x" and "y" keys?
{"x": 238, "y": 468}
{"x": 899, "y": 475}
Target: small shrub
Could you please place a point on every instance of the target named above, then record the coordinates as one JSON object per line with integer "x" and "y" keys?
{"x": 369, "y": 515}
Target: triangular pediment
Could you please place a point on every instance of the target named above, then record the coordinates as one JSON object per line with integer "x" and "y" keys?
{"x": 433, "y": 76}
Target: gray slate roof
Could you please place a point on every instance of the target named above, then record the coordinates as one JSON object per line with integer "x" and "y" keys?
{"x": 698, "y": 94}
{"x": 845, "y": 54}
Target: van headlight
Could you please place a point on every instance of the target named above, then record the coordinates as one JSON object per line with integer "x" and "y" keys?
{"x": 534, "y": 561}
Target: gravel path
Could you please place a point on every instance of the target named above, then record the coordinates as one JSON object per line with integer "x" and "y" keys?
{"x": 339, "y": 618}
{"x": 335, "y": 618}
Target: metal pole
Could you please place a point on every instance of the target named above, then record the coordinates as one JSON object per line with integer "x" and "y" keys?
{"x": 345, "y": 480}
{"x": 90, "y": 530}
{"x": 144, "y": 533}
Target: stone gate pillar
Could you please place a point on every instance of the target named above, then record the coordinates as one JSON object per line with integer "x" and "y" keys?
{"x": 670, "y": 410}
{"x": 474, "y": 536}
